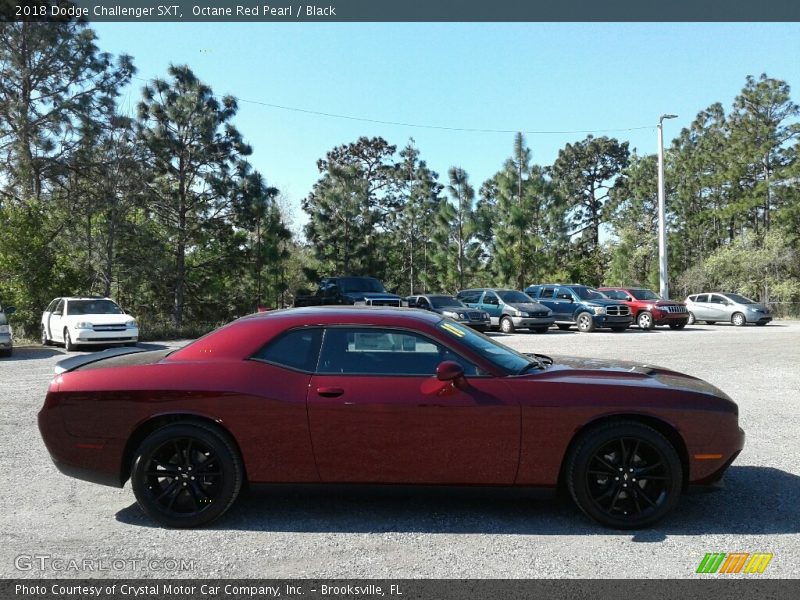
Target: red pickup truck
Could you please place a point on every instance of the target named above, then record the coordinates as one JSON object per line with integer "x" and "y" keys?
{"x": 648, "y": 309}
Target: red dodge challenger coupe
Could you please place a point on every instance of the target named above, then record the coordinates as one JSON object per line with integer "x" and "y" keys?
{"x": 384, "y": 396}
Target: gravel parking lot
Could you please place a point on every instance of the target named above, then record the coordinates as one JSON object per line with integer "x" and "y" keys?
{"x": 396, "y": 533}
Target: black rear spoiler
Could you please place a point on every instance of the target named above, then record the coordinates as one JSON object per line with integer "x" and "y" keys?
{"x": 70, "y": 364}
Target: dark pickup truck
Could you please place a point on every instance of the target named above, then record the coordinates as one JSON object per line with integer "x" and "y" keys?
{"x": 364, "y": 291}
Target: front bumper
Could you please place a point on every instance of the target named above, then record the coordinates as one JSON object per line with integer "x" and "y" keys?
{"x": 89, "y": 336}
{"x": 611, "y": 321}
{"x": 758, "y": 318}
{"x": 670, "y": 318}
{"x": 532, "y": 321}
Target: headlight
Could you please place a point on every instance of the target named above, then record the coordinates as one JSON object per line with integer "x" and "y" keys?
{"x": 4, "y": 329}
{"x": 599, "y": 310}
{"x": 752, "y": 309}
{"x": 83, "y": 325}
{"x": 130, "y": 324}
{"x": 450, "y": 313}
{"x": 524, "y": 314}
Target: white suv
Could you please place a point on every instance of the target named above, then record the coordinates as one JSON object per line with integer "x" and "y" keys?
{"x": 74, "y": 321}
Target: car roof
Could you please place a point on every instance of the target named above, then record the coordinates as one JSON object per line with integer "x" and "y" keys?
{"x": 351, "y": 315}
{"x": 83, "y": 298}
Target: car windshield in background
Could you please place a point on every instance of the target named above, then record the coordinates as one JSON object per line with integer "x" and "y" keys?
{"x": 587, "y": 293}
{"x": 645, "y": 295}
{"x": 740, "y": 299}
{"x": 512, "y": 297}
{"x": 93, "y": 307}
{"x": 496, "y": 353}
{"x": 444, "y": 302}
{"x": 354, "y": 284}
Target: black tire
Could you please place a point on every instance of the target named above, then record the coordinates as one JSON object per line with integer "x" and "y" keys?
{"x": 761, "y": 323}
{"x": 645, "y": 320}
{"x": 178, "y": 450}
{"x": 506, "y": 325}
{"x": 677, "y": 325}
{"x": 45, "y": 340}
{"x": 540, "y": 329}
{"x": 602, "y": 471}
{"x": 585, "y": 322}
{"x": 619, "y": 329}
{"x": 563, "y": 326}
{"x": 711, "y": 322}
{"x": 691, "y": 320}
{"x": 738, "y": 319}
{"x": 68, "y": 345}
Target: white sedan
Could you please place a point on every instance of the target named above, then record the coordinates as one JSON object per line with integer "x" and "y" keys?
{"x": 76, "y": 321}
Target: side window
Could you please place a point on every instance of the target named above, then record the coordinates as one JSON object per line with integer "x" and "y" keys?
{"x": 701, "y": 298}
{"x": 717, "y": 299}
{"x": 491, "y": 298}
{"x": 533, "y": 291}
{"x": 548, "y": 291}
{"x": 470, "y": 297}
{"x": 368, "y": 351}
{"x": 692, "y": 298}
{"x": 295, "y": 349}
{"x": 59, "y": 308}
{"x": 563, "y": 293}
{"x": 422, "y": 302}
{"x": 616, "y": 294}
{"x": 52, "y": 306}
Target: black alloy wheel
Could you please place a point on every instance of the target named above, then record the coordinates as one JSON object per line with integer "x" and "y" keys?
{"x": 186, "y": 475}
{"x": 625, "y": 475}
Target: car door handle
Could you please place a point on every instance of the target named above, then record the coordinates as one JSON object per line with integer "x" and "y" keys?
{"x": 330, "y": 392}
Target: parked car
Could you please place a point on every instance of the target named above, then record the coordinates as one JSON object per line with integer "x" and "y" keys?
{"x": 77, "y": 321}
{"x": 581, "y": 305}
{"x": 6, "y": 334}
{"x": 724, "y": 306}
{"x": 648, "y": 308}
{"x": 453, "y": 308}
{"x": 509, "y": 309}
{"x": 365, "y": 395}
{"x": 349, "y": 290}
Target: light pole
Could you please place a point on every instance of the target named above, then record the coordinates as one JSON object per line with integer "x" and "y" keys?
{"x": 662, "y": 220}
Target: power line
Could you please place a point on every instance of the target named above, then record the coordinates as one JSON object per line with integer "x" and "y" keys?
{"x": 418, "y": 125}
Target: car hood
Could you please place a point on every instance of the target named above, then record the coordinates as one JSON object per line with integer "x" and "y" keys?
{"x": 633, "y": 373}
{"x": 529, "y": 306}
{"x": 100, "y": 319}
{"x": 757, "y": 307}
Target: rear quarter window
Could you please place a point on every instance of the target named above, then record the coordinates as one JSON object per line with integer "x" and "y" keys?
{"x": 297, "y": 349}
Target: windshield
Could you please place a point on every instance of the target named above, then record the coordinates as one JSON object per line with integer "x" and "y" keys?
{"x": 645, "y": 295}
{"x": 360, "y": 284}
{"x": 93, "y": 307}
{"x": 740, "y": 299}
{"x": 513, "y": 297}
{"x": 504, "y": 357}
{"x": 587, "y": 293}
{"x": 444, "y": 301}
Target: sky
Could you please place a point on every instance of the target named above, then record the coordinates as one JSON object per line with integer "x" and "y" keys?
{"x": 532, "y": 77}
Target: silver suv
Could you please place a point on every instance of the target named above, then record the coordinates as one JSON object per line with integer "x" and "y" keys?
{"x": 732, "y": 308}
{"x": 6, "y": 337}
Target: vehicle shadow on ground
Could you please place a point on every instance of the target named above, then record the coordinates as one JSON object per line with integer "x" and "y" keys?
{"x": 757, "y": 500}
{"x": 22, "y": 353}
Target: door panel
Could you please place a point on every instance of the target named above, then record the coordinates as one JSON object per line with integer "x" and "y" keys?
{"x": 414, "y": 430}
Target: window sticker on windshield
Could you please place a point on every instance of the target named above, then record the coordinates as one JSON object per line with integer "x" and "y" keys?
{"x": 454, "y": 330}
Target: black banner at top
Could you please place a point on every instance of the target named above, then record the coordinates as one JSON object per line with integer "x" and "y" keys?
{"x": 287, "y": 11}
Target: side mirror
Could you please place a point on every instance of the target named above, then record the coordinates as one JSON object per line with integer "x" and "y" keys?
{"x": 10, "y": 310}
{"x": 628, "y": 298}
{"x": 450, "y": 370}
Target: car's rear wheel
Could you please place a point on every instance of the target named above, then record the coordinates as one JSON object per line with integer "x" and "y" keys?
{"x": 585, "y": 322}
{"x": 506, "y": 325}
{"x": 624, "y": 474}
{"x": 677, "y": 325}
{"x": 186, "y": 475}
{"x": 645, "y": 320}
{"x": 540, "y": 329}
{"x": 738, "y": 319}
{"x": 691, "y": 320}
{"x": 564, "y": 326}
{"x": 68, "y": 345}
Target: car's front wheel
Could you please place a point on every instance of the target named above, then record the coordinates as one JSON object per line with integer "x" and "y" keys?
{"x": 585, "y": 323}
{"x": 645, "y": 320}
{"x": 692, "y": 319}
{"x": 738, "y": 319}
{"x": 186, "y": 475}
{"x": 506, "y": 325}
{"x": 68, "y": 345}
{"x": 624, "y": 475}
